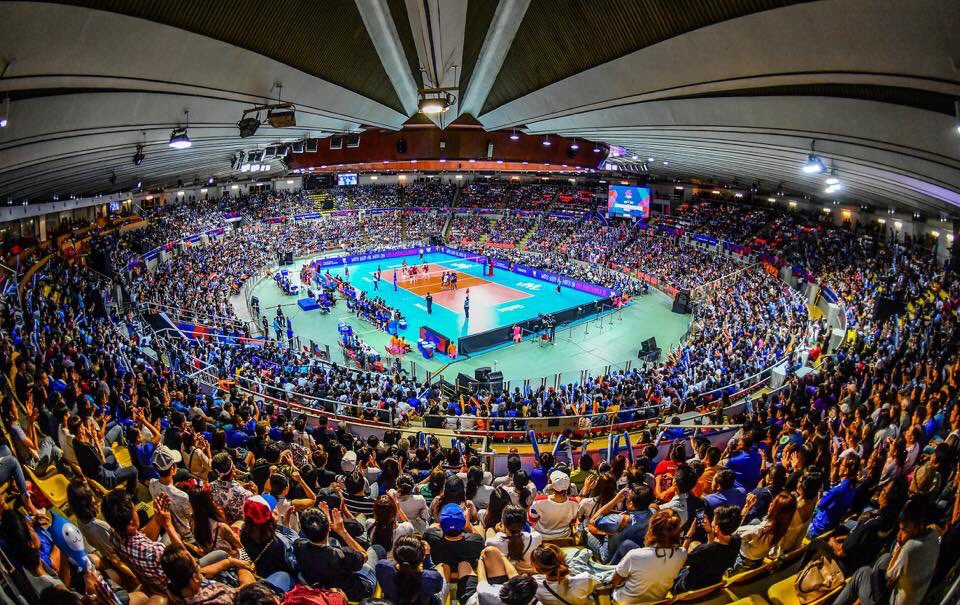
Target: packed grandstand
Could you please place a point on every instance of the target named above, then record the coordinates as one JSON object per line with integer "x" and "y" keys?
{"x": 177, "y": 455}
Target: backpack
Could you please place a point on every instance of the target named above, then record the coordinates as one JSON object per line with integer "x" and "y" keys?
{"x": 820, "y": 577}
{"x": 305, "y": 595}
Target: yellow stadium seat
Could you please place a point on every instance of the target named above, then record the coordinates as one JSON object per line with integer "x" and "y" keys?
{"x": 54, "y": 487}
{"x": 750, "y": 600}
{"x": 122, "y": 455}
{"x": 696, "y": 595}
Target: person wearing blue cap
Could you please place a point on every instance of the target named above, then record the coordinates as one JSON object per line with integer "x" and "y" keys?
{"x": 453, "y": 539}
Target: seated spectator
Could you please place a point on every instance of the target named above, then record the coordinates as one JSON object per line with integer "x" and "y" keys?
{"x": 684, "y": 503}
{"x": 554, "y": 515}
{"x": 836, "y": 501}
{"x": 322, "y": 564}
{"x": 453, "y": 539}
{"x": 646, "y": 574}
{"x": 165, "y": 461}
{"x": 189, "y": 584}
{"x": 97, "y": 465}
{"x": 707, "y": 562}
{"x": 388, "y": 523}
{"x": 512, "y": 539}
{"x": 555, "y": 584}
{"x": 268, "y": 545}
{"x": 210, "y": 528}
{"x": 725, "y": 492}
{"x": 500, "y": 582}
{"x": 746, "y": 464}
{"x": 902, "y": 576}
{"x": 226, "y": 489}
{"x": 414, "y": 506}
{"x": 756, "y": 541}
{"x": 34, "y": 449}
{"x": 410, "y": 578}
{"x": 625, "y": 530}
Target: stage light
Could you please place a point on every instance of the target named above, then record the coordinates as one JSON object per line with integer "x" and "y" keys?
{"x": 282, "y": 116}
{"x": 248, "y": 126}
{"x": 210, "y": 181}
{"x": 650, "y": 159}
{"x": 574, "y": 145}
{"x": 513, "y": 136}
{"x": 771, "y": 199}
{"x": 666, "y": 163}
{"x": 813, "y": 165}
{"x": 179, "y": 138}
{"x": 4, "y": 112}
{"x": 244, "y": 167}
{"x": 204, "y": 190}
{"x": 956, "y": 107}
{"x": 138, "y": 157}
{"x": 179, "y": 194}
{"x": 546, "y": 142}
{"x": 434, "y": 101}
{"x": 833, "y": 188}
{"x": 139, "y": 185}
{"x": 833, "y": 179}
{"x": 634, "y": 157}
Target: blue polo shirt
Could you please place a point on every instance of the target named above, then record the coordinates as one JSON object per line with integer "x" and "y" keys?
{"x": 831, "y": 509}
{"x": 746, "y": 466}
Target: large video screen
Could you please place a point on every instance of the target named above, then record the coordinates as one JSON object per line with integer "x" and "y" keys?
{"x": 623, "y": 200}
{"x": 347, "y": 179}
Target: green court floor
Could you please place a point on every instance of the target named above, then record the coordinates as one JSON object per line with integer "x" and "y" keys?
{"x": 611, "y": 341}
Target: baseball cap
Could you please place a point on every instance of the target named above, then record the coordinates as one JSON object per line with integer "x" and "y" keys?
{"x": 258, "y": 509}
{"x": 164, "y": 458}
{"x": 560, "y": 481}
{"x": 349, "y": 462}
{"x": 452, "y": 518}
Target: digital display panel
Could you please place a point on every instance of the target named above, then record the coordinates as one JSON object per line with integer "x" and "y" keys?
{"x": 624, "y": 200}
{"x": 347, "y": 179}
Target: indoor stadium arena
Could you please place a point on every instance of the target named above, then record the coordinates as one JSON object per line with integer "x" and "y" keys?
{"x": 479, "y": 302}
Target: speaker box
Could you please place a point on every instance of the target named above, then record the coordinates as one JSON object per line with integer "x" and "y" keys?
{"x": 886, "y": 307}
{"x": 402, "y": 146}
{"x": 681, "y": 303}
{"x": 286, "y": 258}
{"x": 465, "y": 384}
{"x": 495, "y": 382}
{"x": 482, "y": 374}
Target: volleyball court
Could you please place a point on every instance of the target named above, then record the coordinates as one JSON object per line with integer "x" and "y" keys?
{"x": 430, "y": 278}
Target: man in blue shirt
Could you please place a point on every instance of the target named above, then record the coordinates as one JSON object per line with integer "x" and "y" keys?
{"x": 836, "y": 501}
{"x": 746, "y": 464}
{"x": 626, "y": 530}
{"x": 725, "y": 492}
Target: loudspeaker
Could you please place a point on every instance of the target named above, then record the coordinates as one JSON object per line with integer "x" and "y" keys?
{"x": 886, "y": 307}
{"x": 402, "y": 146}
{"x": 482, "y": 374}
{"x": 286, "y": 258}
{"x": 681, "y": 303}
{"x": 649, "y": 344}
{"x": 465, "y": 384}
{"x": 495, "y": 382}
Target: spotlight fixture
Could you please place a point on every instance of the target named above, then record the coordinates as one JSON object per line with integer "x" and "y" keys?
{"x": 547, "y": 142}
{"x": 956, "y": 113}
{"x": 433, "y": 101}
{"x": 833, "y": 179}
{"x": 138, "y": 157}
{"x": 514, "y": 136}
{"x": 813, "y": 165}
{"x": 248, "y": 126}
{"x": 574, "y": 145}
{"x": 179, "y": 138}
{"x": 139, "y": 185}
{"x": 282, "y": 115}
{"x": 650, "y": 159}
{"x": 4, "y": 112}
{"x": 596, "y": 149}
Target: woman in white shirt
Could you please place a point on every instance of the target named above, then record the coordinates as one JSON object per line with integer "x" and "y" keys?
{"x": 756, "y": 541}
{"x": 555, "y": 585}
{"x": 478, "y": 488}
{"x": 196, "y": 454}
{"x": 647, "y": 574}
{"x": 414, "y": 506}
{"x": 512, "y": 541}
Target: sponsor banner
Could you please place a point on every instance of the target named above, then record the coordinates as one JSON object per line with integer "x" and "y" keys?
{"x": 547, "y": 276}
{"x": 706, "y": 239}
{"x": 500, "y": 245}
{"x": 335, "y": 261}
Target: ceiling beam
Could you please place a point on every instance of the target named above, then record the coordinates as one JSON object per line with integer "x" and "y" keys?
{"x": 506, "y": 22}
{"x": 383, "y": 32}
{"x": 438, "y": 30}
